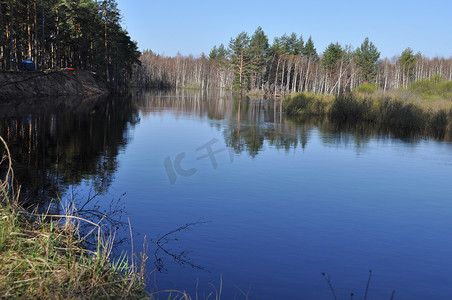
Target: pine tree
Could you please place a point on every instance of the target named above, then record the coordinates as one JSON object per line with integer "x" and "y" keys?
{"x": 331, "y": 60}
{"x": 259, "y": 53}
{"x": 85, "y": 34}
{"x": 331, "y": 56}
{"x": 366, "y": 58}
{"x": 213, "y": 54}
{"x": 309, "y": 50}
{"x": 299, "y": 46}
{"x": 239, "y": 57}
{"x": 407, "y": 60}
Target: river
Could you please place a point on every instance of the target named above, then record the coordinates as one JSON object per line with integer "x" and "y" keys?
{"x": 233, "y": 195}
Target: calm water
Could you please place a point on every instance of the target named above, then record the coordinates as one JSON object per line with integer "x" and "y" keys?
{"x": 268, "y": 204}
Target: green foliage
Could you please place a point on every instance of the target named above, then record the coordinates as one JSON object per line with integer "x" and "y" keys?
{"x": 366, "y": 58}
{"x": 239, "y": 56}
{"x": 331, "y": 56}
{"x": 219, "y": 53}
{"x": 423, "y": 87}
{"x": 259, "y": 44}
{"x": 444, "y": 89}
{"x": 290, "y": 45}
{"x": 391, "y": 111}
{"x": 367, "y": 88}
{"x": 437, "y": 78}
{"x": 433, "y": 87}
{"x": 213, "y": 54}
{"x": 309, "y": 50}
{"x": 259, "y": 52}
{"x": 407, "y": 60}
{"x": 308, "y": 103}
{"x": 401, "y": 114}
{"x": 347, "y": 108}
{"x": 84, "y": 34}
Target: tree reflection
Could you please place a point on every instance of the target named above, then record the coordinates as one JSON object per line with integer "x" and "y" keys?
{"x": 251, "y": 125}
{"x": 71, "y": 141}
{"x": 58, "y": 143}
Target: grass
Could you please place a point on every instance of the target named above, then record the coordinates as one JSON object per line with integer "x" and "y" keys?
{"x": 404, "y": 110}
{"x": 308, "y": 104}
{"x": 44, "y": 256}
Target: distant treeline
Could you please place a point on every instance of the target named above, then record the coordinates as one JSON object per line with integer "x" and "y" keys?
{"x": 289, "y": 65}
{"x": 83, "y": 34}
{"x": 170, "y": 72}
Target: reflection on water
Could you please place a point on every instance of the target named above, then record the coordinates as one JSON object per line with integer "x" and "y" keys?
{"x": 58, "y": 143}
{"x": 64, "y": 145}
{"x": 285, "y": 199}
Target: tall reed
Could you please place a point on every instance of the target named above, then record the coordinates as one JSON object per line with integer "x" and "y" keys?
{"x": 400, "y": 110}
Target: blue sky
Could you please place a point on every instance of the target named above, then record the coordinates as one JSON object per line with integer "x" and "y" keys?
{"x": 192, "y": 27}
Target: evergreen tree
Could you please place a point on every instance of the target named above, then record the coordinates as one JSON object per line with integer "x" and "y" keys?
{"x": 213, "y": 54}
{"x": 299, "y": 46}
{"x": 407, "y": 60}
{"x": 290, "y": 45}
{"x": 239, "y": 58}
{"x": 331, "y": 56}
{"x": 218, "y": 53}
{"x": 276, "y": 47}
{"x": 222, "y": 52}
{"x": 258, "y": 50}
{"x": 309, "y": 50}
{"x": 332, "y": 61}
{"x": 366, "y": 58}
{"x": 85, "y": 34}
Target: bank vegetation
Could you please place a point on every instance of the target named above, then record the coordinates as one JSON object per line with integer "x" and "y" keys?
{"x": 55, "y": 34}
{"x": 45, "y": 256}
{"x": 424, "y": 108}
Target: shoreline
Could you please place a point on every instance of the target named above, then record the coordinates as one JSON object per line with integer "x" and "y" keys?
{"x": 37, "y": 84}
{"x": 394, "y": 110}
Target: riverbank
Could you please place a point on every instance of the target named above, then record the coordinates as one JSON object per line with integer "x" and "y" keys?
{"x": 401, "y": 110}
{"x": 19, "y": 85}
{"x": 45, "y": 257}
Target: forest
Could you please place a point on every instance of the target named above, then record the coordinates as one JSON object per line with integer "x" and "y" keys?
{"x": 55, "y": 34}
{"x": 289, "y": 65}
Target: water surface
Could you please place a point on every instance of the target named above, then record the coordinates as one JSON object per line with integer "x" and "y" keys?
{"x": 252, "y": 201}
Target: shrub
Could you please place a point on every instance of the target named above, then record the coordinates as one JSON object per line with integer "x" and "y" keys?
{"x": 348, "y": 107}
{"x": 367, "y": 88}
{"x": 307, "y": 103}
{"x": 435, "y": 86}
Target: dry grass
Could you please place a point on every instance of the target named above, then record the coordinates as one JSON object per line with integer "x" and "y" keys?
{"x": 401, "y": 109}
{"x": 43, "y": 256}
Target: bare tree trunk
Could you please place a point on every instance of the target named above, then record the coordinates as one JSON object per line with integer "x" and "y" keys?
{"x": 29, "y": 32}
{"x": 242, "y": 54}
{"x": 386, "y": 76}
{"x": 35, "y": 50}
{"x": 2, "y": 38}
{"x": 339, "y": 90}
{"x": 58, "y": 61}
{"x": 282, "y": 77}
{"x": 295, "y": 77}
{"x": 276, "y": 77}
{"x": 300, "y": 87}
{"x": 11, "y": 37}
{"x": 18, "y": 54}
{"x": 107, "y": 72}
{"x": 307, "y": 76}
{"x": 289, "y": 70}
